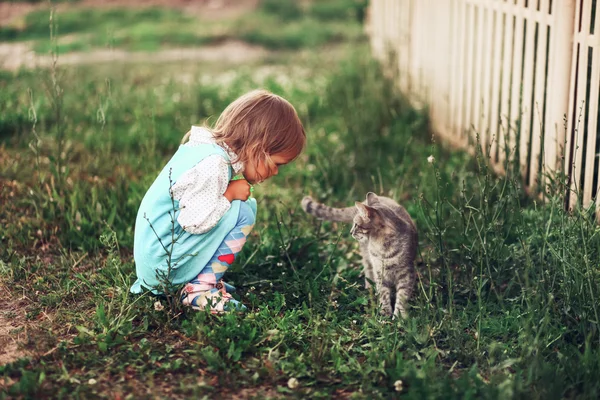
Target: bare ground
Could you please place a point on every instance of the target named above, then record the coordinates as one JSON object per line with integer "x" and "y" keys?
{"x": 12, "y": 327}
{"x": 18, "y": 55}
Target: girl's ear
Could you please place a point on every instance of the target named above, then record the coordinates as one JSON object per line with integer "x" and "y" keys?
{"x": 363, "y": 210}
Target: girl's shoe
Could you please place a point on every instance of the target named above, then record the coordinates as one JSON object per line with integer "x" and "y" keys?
{"x": 218, "y": 300}
{"x": 228, "y": 288}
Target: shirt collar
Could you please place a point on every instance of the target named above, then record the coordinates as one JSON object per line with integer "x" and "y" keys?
{"x": 201, "y": 135}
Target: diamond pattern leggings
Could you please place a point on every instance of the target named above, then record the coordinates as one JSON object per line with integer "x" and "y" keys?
{"x": 225, "y": 255}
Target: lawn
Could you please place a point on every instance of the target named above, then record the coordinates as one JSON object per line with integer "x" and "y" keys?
{"x": 506, "y": 300}
{"x": 275, "y": 25}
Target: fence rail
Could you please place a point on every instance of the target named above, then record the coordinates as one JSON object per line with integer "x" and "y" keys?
{"x": 522, "y": 76}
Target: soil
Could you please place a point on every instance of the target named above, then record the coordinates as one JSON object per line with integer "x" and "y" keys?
{"x": 16, "y": 55}
{"x": 12, "y": 328}
{"x": 11, "y": 11}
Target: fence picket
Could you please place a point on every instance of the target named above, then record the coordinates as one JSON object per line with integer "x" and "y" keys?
{"x": 527, "y": 92}
{"x": 484, "y": 95}
{"x": 507, "y": 57}
{"x": 495, "y": 100}
{"x": 539, "y": 105}
{"x": 591, "y": 157}
{"x": 575, "y": 135}
{"x": 516, "y": 111}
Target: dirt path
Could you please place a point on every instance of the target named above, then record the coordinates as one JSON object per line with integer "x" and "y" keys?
{"x": 16, "y": 55}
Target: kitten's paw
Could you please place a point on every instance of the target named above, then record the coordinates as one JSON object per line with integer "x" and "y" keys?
{"x": 399, "y": 313}
{"x": 307, "y": 203}
{"x": 386, "y": 312}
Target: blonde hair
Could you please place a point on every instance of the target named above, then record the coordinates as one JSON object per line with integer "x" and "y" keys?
{"x": 257, "y": 125}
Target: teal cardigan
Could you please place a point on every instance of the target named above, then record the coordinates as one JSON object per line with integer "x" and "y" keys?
{"x": 160, "y": 241}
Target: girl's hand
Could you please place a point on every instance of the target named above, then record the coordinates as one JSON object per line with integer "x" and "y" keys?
{"x": 237, "y": 190}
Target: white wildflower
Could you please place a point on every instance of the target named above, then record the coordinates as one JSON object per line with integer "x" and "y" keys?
{"x": 431, "y": 159}
{"x": 158, "y": 306}
{"x": 92, "y": 381}
{"x": 398, "y": 385}
{"x": 273, "y": 333}
{"x": 293, "y": 383}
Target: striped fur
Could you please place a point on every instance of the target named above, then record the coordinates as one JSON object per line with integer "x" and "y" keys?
{"x": 388, "y": 240}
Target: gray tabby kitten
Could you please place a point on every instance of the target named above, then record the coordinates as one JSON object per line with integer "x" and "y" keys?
{"x": 387, "y": 238}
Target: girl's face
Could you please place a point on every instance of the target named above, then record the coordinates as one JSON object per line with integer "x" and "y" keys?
{"x": 258, "y": 173}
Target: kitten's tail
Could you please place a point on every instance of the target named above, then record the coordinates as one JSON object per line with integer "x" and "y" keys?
{"x": 322, "y": 211}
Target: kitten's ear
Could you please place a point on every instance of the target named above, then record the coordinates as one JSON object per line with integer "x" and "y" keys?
{"x": 371, "y": 198}
{"x": 363, "y": 210}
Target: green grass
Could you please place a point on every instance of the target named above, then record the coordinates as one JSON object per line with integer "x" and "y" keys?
{"x": 506, "y": 302}
{"x": 149, "y": 29}
{"x": 130, "y": 29}
{"x": 266, "y": 30}
{"x": 325, "y": 10}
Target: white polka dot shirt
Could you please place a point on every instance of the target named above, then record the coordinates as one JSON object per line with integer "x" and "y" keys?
{"x": 200, "y": 189}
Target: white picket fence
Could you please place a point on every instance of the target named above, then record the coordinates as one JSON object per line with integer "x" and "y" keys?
{"x": 524, "y": 75}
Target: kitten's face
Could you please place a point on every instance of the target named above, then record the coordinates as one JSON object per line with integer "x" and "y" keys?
{"x": 363, "y": 222}
{"x": 360, "y": 228}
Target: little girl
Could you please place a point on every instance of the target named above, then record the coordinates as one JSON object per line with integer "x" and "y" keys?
{"x": 194, "y": 219}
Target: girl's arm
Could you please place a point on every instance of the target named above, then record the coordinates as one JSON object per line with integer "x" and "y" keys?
{"x": 200, "y": 194}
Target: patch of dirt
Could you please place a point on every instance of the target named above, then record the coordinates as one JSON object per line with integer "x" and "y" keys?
{"x": 16, "y": 55}
{"x": 254, "y": 393}
{"x": 12, "y": 327}
{"x": 13, "y": 55}
{"x": 10, "y": 11}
